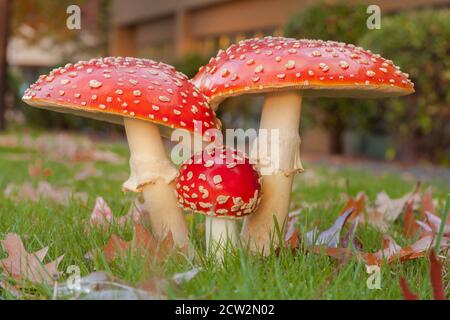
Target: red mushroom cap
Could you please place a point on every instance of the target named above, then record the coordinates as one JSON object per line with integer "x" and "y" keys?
{"x": 320, "y": 68}
{"x": 219, "y": 182}
{"x": 115, "y": 87}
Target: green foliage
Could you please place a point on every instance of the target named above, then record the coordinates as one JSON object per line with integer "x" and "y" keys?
{"x": 190, "y": 63}
{"x": 339, "y": 22}
{"x": 329, "y": 21}
{"x": 419, "y": 43}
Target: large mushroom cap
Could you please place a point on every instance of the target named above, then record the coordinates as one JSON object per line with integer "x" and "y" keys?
{"x": 114, "y": 87}
{"x": 318, "y": 68}
{"x": 219, "y": 182}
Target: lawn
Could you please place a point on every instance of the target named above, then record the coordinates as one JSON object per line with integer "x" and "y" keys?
{"x": 287, "y": 275}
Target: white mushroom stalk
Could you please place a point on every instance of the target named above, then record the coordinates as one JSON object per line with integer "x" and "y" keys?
{"x": 281, "y": 119}
{"x": 149, "y": 164}
{"x": 221, "y": 234}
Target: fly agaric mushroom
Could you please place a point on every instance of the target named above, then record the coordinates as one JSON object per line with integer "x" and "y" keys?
{"x": 285, "y": 70}
{"x": 221, "y": 184}
{"x": 139, "y": 94}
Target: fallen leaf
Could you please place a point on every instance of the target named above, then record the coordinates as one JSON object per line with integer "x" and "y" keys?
{"x": 115, "y": 247}
{"x": 103, "y": 286}
{"x": 331, "y": 236}
{"x": 436, "y": 277}
{"x": 62, "y": 147}
{"x": 37, "y": 170}
{"x": 427, "y": 204}
{"x": 101, "y": 214}
{"x": 350, "y": 237}
{"x": 419, "y": 248}
{"x": 407, "y": 293}
{"x": 410, "y": 226}
{"x": 11, "y": 289}
{"x": 357, "y": 204}
{"x": 292, "y": 235}
{"x": 435, "y": 224}
{"x": 389, "y": 251}
{"x": 23, "y": 266}
{"x": 8, "y": 141}
{"x": 387, "y": 210}
{"x": 143, "y": 243}
{"x": 44, "y": 190}
{"x": 187, "y": 276}
{"x": 87, "y": 172}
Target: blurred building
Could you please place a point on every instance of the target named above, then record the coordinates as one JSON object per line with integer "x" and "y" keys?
{"x": 30, "y": 54}
{"x": 168, "y": 29}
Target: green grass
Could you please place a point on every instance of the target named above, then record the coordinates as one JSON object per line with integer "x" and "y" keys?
{"x": 243, "y": 276}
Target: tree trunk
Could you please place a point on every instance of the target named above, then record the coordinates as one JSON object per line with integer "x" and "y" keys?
{"x": 4, "y": 18}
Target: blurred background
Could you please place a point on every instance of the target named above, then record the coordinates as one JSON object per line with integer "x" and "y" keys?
{"x": 415, "y": 34}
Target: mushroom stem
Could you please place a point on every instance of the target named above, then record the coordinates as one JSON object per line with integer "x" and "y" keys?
{"x": 281, "y": 113}
{"x": 153, "y": 174}
{"x": 220, "y": 233}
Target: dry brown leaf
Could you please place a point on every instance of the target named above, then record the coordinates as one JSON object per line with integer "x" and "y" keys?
{"x": 357, "y": 204}
{"x": 115, "y": 247}
{"x": 418, "y": 249}
{"x": 12, "y": 290}
{"x": 427, "y": 204}
{"x": 102, "y": 215}
{"x": 389, "y": 251}
{"x": 37, "y": 170}
{"x": 436, "y": 279}
{"x": 23, "y": 266}
{"x": 62, "y": 147}
{"x": 143, "y": 243}
{"x": 407, "y": 293}
{"x": 351, "y": 237}
{"x": 292, "y": 235}
{"x": 330, "y": 237}
{"x": 410, "y": 226}
{"x": 44, "y": 190}
{"x": 393, "y": 252}
{"x": 328, "y": 242}
{"x": 387, "y": 210}
{"x": 87, "y": 172}
{"x": 434, "y": 222}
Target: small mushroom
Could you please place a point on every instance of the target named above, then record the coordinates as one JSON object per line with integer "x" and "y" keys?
{"x": 221, "y": 184}
{"x": 285, "y": 70}
{"x": 139, "y": 94}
